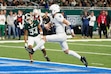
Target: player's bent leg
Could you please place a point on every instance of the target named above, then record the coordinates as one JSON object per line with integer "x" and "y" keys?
{"x": 84, "y": 61}
{"x": 73, "y": 53}
{"x": 30, "y": 54}
{"x": 31, "y": 58}
{"x": 44, "y": 52}
{"x": 64, "y": 46}
{"x": 45, "y": 55}
{"x": 30, "y": 45}
{"x": 40, "y": 44}
{"x": 30, "y": 50}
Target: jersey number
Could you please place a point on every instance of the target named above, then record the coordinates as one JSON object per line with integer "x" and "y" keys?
{"x": 33, "y": 31}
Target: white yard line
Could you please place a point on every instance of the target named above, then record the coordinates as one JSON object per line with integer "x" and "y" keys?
{"x": 99, "y": 45}
{"x": 97, "y": 64}
{"x": 69, "y": 40}
{"x": 86, "y": 40}
{"x": 105, "y": 54}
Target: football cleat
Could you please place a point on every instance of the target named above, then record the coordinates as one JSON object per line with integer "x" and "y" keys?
{"x": 29, "y": 50}
{"x": 47, "y": 58}
{"x": 83, "y": 59}
{"x": 31, "y": 61}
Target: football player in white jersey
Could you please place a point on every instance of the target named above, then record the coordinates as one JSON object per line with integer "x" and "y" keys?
{"x": 37, "y": 16}
{"x": 32, "y": 36}
{"x": 59, "y": 21}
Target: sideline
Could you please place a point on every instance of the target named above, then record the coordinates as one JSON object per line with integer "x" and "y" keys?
{"x": 69, "y": 40}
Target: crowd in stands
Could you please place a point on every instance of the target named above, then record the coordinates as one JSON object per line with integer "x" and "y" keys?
{"x": 46, "y": 3}
{"x": 12, "y": 24}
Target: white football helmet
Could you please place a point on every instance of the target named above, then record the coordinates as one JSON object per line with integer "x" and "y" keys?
{"x": 54, "y": 8}
{"x": 35, "y": 11}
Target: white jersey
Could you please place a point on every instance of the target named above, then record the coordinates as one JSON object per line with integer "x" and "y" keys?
{"x": 57, "y": 21}
{"x": 60, "y": 35}
{"x": 2, "y": 19}
{"x": 92, "y": 20}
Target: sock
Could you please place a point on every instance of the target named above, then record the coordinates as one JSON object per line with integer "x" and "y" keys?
{"x": 73, "y": 53}
{"x": 45, "y": 56}
{"x": 39, "y": 45}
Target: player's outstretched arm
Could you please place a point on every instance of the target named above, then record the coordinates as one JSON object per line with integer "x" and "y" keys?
{"x": 66, "y": 22}
{"x": 40, "y": 29}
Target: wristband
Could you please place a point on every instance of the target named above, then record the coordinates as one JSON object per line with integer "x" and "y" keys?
{"x": 72, "y": 31}
{"x": 41, "y": 33}
{"x": 71, "y": 26}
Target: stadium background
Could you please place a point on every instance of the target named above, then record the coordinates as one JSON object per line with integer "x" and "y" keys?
{"x": 73, "y": 13}
{"x": 98, "y": 52}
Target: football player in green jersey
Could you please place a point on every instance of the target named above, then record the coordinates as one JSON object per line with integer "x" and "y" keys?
{"x": 32, "y": 36}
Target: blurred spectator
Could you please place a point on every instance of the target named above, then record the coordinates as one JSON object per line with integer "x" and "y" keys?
{"x": 109, "y": 31}
{"x": 79, "y": 4}
{"x": 85, "y": 25}
{"x": 102, "y": 23}
{"x": 20, "y": 23}
{"x": 51, "y": 2}
{"x": 2, "y": 24}
{"x": 46, "y": 3}
{"x": 1, "y": 2}
{"x": 42, "y": 3}
{"x": 108, "y": 21}
{"x": 14, "y": 3}
{"x": 4, "y": 6}
{"x": 21, "y": 3}
{"x": 91, "y": 23}
{"x": 84, "y": 3}
{"x": 46, "y": 19}
{"x": 15, "y": 23}
{"x": 73, "y": 2}
{"x": 11, "y": 26}
{"x": 5, "y": 13}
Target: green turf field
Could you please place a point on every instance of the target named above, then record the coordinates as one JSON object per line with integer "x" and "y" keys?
{"x": 98, "y": 53}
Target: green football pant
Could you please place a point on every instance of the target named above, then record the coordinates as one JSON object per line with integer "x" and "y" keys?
{"x": 2, "y": 29}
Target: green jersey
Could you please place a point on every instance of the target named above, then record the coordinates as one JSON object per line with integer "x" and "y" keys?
{"x": 32, "y": 29}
